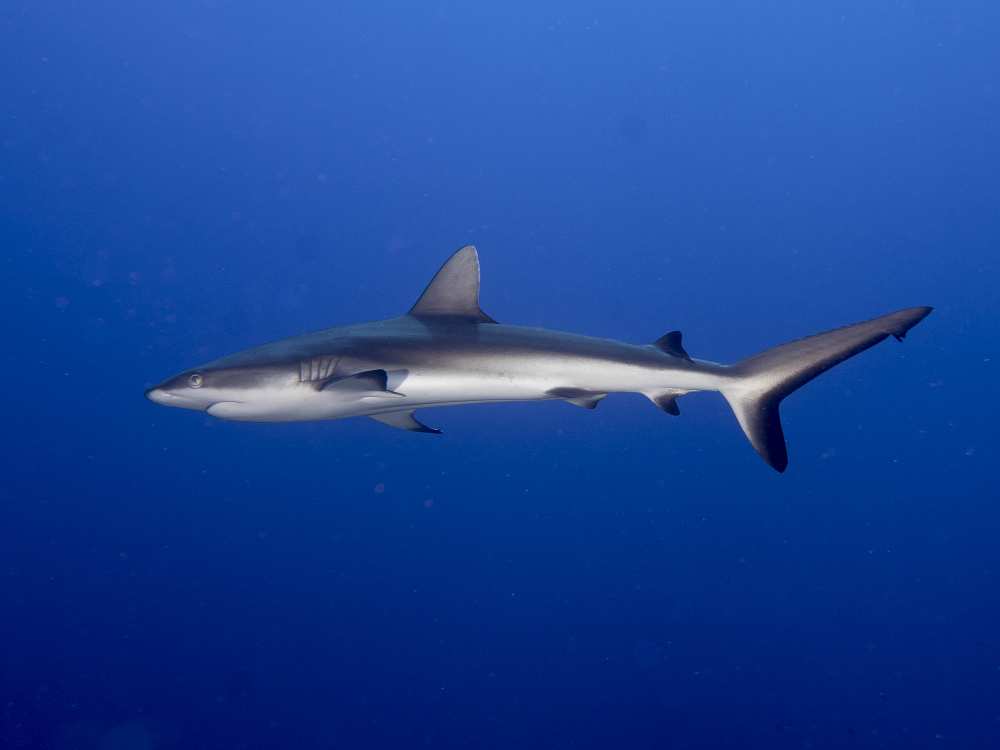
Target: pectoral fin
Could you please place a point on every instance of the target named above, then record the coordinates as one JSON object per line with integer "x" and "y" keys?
{"x": 367, "y": 384}
{"x": 404, "y": 420}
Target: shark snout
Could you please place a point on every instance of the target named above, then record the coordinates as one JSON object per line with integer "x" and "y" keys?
{"x": 157, "y": 395}
{"x": 164, "y": 397}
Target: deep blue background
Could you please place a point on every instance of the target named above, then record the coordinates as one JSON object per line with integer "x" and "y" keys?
{"x": 181, "y": 180}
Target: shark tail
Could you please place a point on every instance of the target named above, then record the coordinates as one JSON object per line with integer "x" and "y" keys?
{"x": 762, "y": 381}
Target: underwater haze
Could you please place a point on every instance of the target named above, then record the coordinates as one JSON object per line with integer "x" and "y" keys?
{"x": 181, "y": 180}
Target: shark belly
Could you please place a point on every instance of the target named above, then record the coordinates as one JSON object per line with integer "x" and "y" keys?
{"x": 304, "y": 405}
{"x": 519, "y": 377}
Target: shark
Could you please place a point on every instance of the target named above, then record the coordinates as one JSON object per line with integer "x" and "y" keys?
{"x": 446, "y": 351}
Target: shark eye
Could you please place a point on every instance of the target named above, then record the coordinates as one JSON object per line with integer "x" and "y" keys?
{"x": 196, "y": 380}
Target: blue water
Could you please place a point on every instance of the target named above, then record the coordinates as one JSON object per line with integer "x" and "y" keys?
{"x": 182, "y": 180}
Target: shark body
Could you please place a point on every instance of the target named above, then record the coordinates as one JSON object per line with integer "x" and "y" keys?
{"x": 447, "y": 351}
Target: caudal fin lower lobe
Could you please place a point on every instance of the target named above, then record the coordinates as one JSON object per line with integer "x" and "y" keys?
{"x": 765, "y": 379}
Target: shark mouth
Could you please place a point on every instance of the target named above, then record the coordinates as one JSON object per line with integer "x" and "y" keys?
{"x": 223, "y": 409}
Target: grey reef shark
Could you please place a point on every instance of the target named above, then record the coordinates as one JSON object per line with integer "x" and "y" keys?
{"x": 447, "y": 351}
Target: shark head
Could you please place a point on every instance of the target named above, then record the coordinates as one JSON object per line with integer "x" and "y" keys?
{"x": 298, "y": 379}
{"x": 231, "y": 391}
{"x": 333, "y": 373}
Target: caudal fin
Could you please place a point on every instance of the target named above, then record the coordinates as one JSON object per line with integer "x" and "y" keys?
{"x": 765, "y": 379}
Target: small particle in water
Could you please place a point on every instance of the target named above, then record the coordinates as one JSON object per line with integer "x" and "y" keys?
{"x": 62, "y": 302}
{"x": 970, "y": 451}
{"x": 379, "y": 488}
{"x": 428, "y": 503}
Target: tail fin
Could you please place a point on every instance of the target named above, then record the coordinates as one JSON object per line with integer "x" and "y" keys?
{"x": 765, "y": 379}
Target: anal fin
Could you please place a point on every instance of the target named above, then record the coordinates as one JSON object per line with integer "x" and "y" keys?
{"x": 404, "y": 420}
{"x": 667, "y": 400}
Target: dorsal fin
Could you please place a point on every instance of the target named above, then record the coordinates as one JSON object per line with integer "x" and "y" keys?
{"x": 671, "y": 344}
{"x": 454, "y": 290}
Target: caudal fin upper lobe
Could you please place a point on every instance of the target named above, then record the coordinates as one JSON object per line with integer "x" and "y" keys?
{"x": 765, "y": 379}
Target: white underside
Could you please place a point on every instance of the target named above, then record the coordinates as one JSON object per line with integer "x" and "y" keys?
{"x": 305, "y": 403}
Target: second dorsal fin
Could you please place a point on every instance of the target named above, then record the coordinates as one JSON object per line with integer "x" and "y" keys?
{"x": 671, "y": 344}
{"x": 454, "y": 290}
